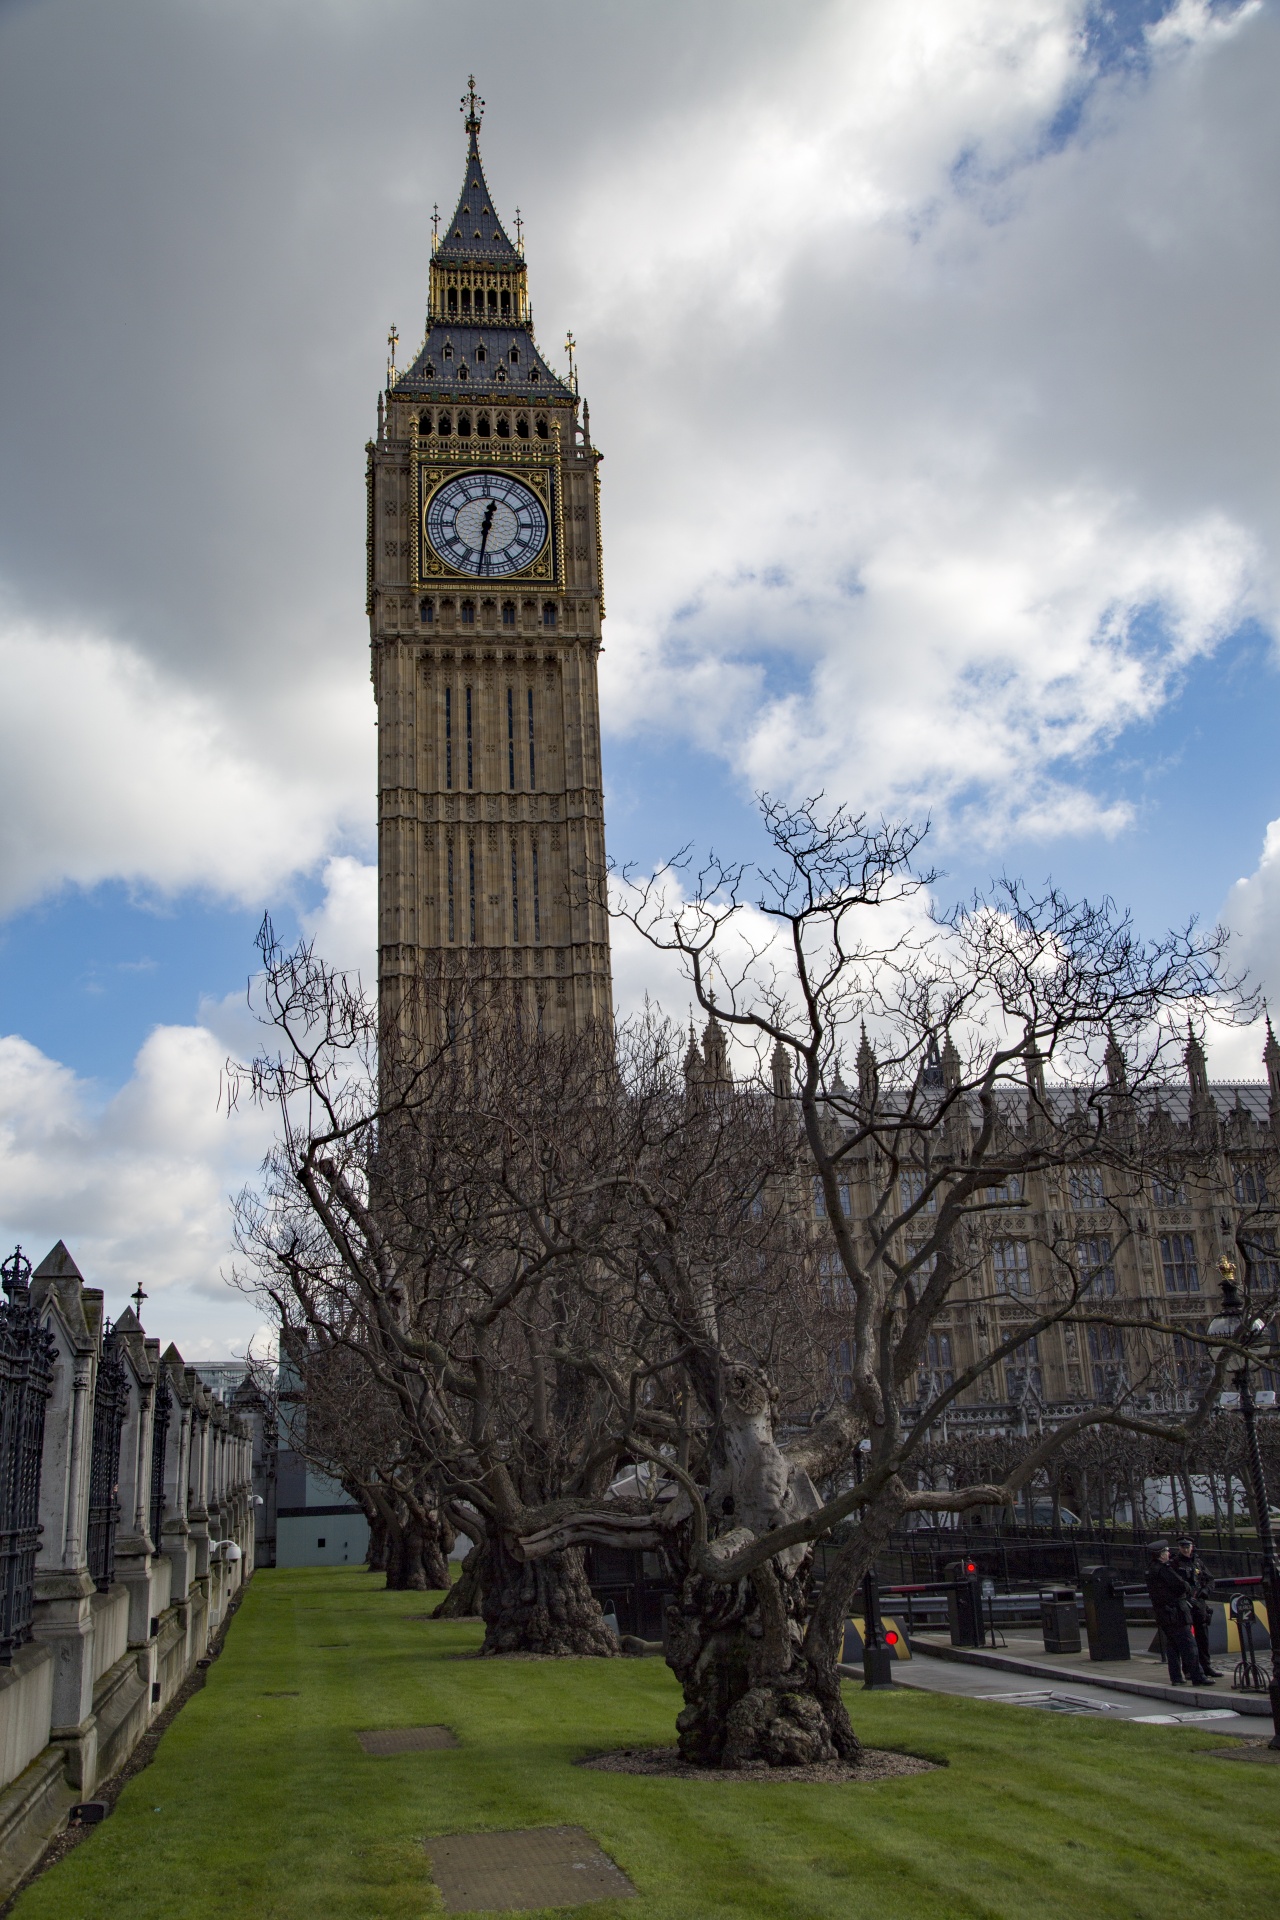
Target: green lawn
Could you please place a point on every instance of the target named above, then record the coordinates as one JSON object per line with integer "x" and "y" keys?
{"x": 265, "y": 1808}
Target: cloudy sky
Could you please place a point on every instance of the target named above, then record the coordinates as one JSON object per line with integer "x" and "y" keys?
{"x": 930, "y": 345}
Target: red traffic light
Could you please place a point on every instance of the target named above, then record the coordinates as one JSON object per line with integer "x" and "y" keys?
{"x": 891, "y": 1638}
{"x": 971, "y": 1566}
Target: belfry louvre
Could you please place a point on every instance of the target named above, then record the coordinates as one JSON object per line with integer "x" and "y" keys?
{"x": 485, "y": 606}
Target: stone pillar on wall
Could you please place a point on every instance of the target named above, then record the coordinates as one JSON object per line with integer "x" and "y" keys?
{"x": 175, "y": 1532}
{"x": 133, "y": 1544}
{"x": 63, "y": 1616}
{"x": 198, "y": 1478}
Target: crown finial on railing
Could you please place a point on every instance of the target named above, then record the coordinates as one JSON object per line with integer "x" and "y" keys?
{"x": 16, "y": 1275}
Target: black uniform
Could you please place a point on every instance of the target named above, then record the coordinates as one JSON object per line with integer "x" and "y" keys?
{"x": 1196, "y": 1579}
{"x": 1168, "y": 1592}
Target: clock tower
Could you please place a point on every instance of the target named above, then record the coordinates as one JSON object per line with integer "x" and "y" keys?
{"x": 485, "y": 609}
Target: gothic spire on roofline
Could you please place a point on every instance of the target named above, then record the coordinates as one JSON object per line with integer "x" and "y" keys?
{"x": 868, "y": 1071}
{"x": 1271, "y": 1061}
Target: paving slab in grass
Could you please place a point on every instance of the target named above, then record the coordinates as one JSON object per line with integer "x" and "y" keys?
{"x": 380, "y": 1743}
{"x": 520, "y": 1872}
{"x": 1267, "y": 1756}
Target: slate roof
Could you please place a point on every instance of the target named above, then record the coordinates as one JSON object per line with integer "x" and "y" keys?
{"x": 475, "y": 231}
{"x": 481, "y": 381}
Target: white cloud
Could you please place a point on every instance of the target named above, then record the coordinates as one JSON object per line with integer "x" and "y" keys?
{"x": 961, "y": 465}
{"x": 110, "y": 769}
{"x": 1252, "y": 912}
{"x": 138, "y": 1186}
{"x": 938, "y": 439}
{"x": 345, "y": 924}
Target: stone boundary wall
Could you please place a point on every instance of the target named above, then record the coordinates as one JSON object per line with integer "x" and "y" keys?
{"x": 105, "y": 1657}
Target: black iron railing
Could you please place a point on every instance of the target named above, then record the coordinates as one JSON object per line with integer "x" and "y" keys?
{"x": 109, "y": 1404}
{"x": 27, "y": 1353}
{"x": 159, "y": 1442}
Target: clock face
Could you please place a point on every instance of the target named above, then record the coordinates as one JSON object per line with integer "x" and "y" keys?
{"x": 486, "y": 524}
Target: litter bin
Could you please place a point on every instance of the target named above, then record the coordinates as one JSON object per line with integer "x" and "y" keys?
{"x": 1059, "y": 1619}
{"x": 1104, "y": 1619}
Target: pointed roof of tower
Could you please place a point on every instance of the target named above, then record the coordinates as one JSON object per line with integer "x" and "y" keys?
{"x": 475, "y": 231}
{"x": 693, "y": 1061}
{"x": 1271, "y": 1051}
{"x": 58, "y": 1265}
{"x": 868, "y": 1073}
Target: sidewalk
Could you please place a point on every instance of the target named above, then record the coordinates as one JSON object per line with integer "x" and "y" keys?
{"x": 926, "y": 1673}
{"x": 1143, "y": 1675}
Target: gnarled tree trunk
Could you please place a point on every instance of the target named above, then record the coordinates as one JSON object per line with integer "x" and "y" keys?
{"x": 540, "y": 1606}
{"x": 415, "y": 1558}
{"x": 752, "y": 1693}
{"x": 757, "y": 1662}
{"x": 463, "y": 1600}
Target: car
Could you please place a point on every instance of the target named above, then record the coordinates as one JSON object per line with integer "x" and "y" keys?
{"x": 1042, "y": 1514}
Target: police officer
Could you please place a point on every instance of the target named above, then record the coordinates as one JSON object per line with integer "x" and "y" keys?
{"x": 1168, "y": 1592}
{"x": 1195, "y": 1574}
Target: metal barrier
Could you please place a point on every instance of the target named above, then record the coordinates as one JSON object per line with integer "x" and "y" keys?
{"x": 110, "y": 1401}
{"x": 159, "y": 1441}
{"x": 27, "y": 1353}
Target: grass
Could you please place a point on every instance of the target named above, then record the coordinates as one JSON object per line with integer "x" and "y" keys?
{"x": 264, "y": 1808}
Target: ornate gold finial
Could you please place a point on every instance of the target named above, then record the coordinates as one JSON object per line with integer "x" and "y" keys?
{"x": 472, "y": 105}
{"x": 435, "y": 226}
{"x": 569, "y": 345}
{"x": 392, "y": 338}
{"x": 519, "y": 232}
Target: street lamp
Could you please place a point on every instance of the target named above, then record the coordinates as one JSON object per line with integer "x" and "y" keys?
{"x": 1236, "y": 1331}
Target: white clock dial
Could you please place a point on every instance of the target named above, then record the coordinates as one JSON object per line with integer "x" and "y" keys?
{"x": 486, "y": 524}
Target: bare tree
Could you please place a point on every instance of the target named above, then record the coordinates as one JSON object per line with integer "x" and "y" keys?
{"x": 983, "y": 1019}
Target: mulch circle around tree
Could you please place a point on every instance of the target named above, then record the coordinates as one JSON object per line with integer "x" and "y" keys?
{"x": 876, "y": 1763}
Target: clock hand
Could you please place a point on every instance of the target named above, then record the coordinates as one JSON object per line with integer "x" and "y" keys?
{"x": 486, "y": 527}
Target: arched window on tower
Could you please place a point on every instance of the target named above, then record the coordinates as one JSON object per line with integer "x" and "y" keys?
{"x": 429, "y": 370}
{"x": 466, "y": 299}
{"x": 504, "y": 427}
{"x": 493, "y": 300}
{"x": 482, "y": 426}
{"x": 548, "y": 613}
{"x": 522, "y": 426}
{"x": 445, "y": 423}
{"x": 515, "y": 356}
{"x": 467, "y": 611}
{"x": 462, "y": 371}
{"x": 424, "y": 423}
{"x": 542, "y": 426}
{"x": 451, "y": 301}
{"x": 464, "y": 425}
{"x": 508, "y": 613}
{"x": 481, "y": 355}
{"x": 427, "y": 612}
{"x": 506, "y": 303}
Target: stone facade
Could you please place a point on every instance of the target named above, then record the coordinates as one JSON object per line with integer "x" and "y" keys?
{"x": 485, "y": 604}
{"x": 106, "y": 1656}
{"x": 1144, "y": 1247}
